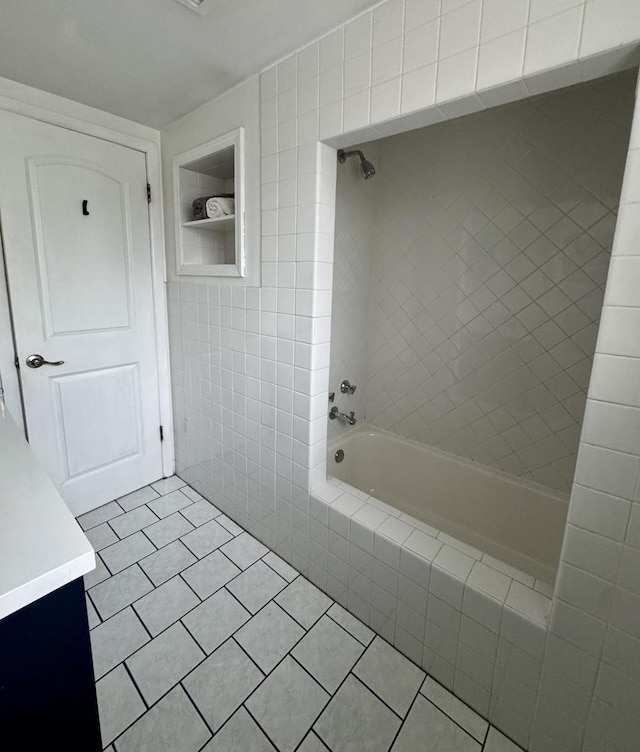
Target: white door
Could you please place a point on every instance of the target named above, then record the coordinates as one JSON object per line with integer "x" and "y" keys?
{"x": 75, "y": 231}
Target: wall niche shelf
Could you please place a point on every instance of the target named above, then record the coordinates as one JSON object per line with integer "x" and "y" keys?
{"x": 213, "y": 247}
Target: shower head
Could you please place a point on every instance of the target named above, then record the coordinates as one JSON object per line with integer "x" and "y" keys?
{"x": 367, "y": 170}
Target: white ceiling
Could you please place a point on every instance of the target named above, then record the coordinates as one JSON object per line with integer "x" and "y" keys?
{"x": 154, "y": 60}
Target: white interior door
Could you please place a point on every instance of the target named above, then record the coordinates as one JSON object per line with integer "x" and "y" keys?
{"x": 75, "y": 230}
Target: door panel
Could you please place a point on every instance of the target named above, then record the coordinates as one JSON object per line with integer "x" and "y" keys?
{"x": 81, "y": 291}
{"x": 84, "y": 261}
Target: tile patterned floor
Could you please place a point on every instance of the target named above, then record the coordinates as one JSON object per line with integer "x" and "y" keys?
{"x": 204, "y": 640}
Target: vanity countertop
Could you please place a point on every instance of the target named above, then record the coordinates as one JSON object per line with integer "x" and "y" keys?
{"x": 42, "y": 547}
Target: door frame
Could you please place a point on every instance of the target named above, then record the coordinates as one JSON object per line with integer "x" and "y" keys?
{"x": 49, "y": 108}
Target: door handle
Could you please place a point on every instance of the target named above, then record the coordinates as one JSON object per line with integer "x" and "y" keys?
{"x": 35, "y": 361}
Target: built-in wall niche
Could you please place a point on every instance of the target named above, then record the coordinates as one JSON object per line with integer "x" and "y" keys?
{"x": 212, "y": 246}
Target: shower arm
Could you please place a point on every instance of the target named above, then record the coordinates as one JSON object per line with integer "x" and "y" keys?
{"x": 342, "y": 155}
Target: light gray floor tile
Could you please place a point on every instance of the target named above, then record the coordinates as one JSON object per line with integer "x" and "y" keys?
{"x": 230, "y": 525}
{"x": 390, "y": 675}
{"x": 462, "y": 714}
{"x": 222, "y": 683}
{"x": 269, "y": 636}
{"x": 304, "y": 602}
{"x": 173, "y": 725}
{"x": 206, "y": 538}
{"x": 164, "y": 661}
{"x": 167, "y": 530}
{"x": 126, "y": 552}
{"x": 167, "y": 485}
{"x": 427, "y": 729}
{"x": 119, "y": 703}
{"x": 120, "y": 591}
{"x": 167, "y": 562}
{"x": 354, "y": 626}
{"x": 280, "y": 566}
{"x": 215, "y": 620}
{"x": 133, "y": 521}
{"x": 497, "y": 742}
{"x": 244, "y": 550}
{"x": 165, "y": 605}
{"x": 101, "y": 536}
{"x": 311, "y": 743}
{"x": 256, "y": 586}
{"x": 115, "y": 639}
{"x": 328, "y": 653}
{"x": 137, "y": 498}
{"x": 240, "y": 734}
{"x": 92, "y": 614}
{"x": 172, "y": 502}
{"x": 200, "y": 512}
{"x": 287, "y": 704}
{"x": 99, "y": 574}
{"x": 356, "y": 721}
{"x": 210, "y": 574}
{"x": 101, "y": 514}
{"x": 191, "y": 493}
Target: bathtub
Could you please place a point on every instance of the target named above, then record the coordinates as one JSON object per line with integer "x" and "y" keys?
{"x": 518, "y": 522}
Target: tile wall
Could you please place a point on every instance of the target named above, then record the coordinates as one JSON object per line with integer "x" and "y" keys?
{"x": 250, "y": 366}
{"x": 489, "y": 241}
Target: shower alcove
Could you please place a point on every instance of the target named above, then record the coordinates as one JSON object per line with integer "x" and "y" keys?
{"x": 469, "y": 278}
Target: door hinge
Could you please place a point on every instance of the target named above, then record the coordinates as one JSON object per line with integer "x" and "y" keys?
{"x": 161, "y": 433}
{"x": 148, "y": 193}
{"x": 16, "y": 362}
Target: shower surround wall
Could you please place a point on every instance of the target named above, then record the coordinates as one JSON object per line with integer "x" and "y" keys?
{"x": 251, "y": 365}
{"x": 480, "y": 254}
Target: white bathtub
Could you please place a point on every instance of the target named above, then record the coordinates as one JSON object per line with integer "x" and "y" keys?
{"x": 518, "y": 522}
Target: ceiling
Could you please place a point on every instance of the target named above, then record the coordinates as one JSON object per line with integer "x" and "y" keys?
{"x": 154, "y": 60}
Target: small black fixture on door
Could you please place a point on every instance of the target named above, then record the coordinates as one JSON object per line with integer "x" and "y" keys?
{"x": 85, "y": 209}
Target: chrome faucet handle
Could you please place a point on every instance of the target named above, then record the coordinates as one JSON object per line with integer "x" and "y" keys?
{"x": 347, "y": 388}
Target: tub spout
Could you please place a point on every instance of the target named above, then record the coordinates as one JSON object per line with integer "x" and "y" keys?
{"x": 350, "y": 418}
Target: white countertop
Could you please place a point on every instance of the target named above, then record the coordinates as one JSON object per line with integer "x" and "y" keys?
{"x": 42, "y": 547}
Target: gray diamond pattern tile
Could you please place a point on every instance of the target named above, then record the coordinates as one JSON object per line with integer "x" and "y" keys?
{"x": 163, "y": 662}
{"x": 355, "y": 719}
{"x": 119, "y": 703}
{"x": 206, "y": 538}
{"x": 210, "y": 574}
{"x": 328, "y": 653}
{"x": 390, "y": 675}
{"x": 244, "y": 550}
{"x": 126, "y": 552}
{"x": 240, "y": 734}
{"x": 167, "y": 562}
{"x": 269, "y": 636}
{"x": 256, "y": 586}
{"x": 166, "y": 604}
{"x": 167, "y": 485}
{"x": 426, "y": 728}
{"x": 102, "y": 514}
{"x": 215, "y": 620}
{"x": 172, "y": 502}
{"x": 119, "y": 591}
{"x": 101, "y": 536}
{"x": 241, "y": 640}
{"x": 116, "y": 639}
{"x": 200, "y": 512}
{"x": 304, "y": 602}
{"x": 287, "y": 704}
{"x": 167, "y": 530}
{"x": 222, "y": 683}
{"x": 137, "y": 498}
{"x": 173, "y": 725}
{"x": 133, "y": 521}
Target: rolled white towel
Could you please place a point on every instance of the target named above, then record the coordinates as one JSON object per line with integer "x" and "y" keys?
{"x": 220, "y": 207}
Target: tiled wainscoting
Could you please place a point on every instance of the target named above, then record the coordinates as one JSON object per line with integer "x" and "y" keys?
{"x": 203, "y": 639}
